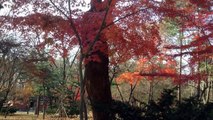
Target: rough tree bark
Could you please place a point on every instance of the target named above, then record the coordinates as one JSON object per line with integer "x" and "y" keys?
{"x": 37, "y": 105}
{"x": 98, "y": 87}
{"x": 97, "y": 78}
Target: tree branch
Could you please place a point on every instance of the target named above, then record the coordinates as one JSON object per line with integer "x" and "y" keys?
{"x": 72, "y": 25}
{"x": 124, "y": 17}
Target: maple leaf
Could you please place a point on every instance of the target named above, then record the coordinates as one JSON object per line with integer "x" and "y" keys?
{"x": 131, "y": 78}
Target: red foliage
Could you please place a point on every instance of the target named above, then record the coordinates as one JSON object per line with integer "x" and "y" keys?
{"x": 130, "y": 29}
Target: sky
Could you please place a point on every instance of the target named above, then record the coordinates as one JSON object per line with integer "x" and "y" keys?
{"x": 6, "y": 9}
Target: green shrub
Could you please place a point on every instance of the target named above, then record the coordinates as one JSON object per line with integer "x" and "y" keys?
{"x": 73, "y": 108}
{"x": 166, "y": 108}
{"x": 52, "y": 110}
{"x": 10, "y": 110}
{"x": 124, "y": 111}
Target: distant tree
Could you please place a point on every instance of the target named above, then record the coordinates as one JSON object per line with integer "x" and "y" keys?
{"x": 16, "y": 58}
{"x": 11, "y": 65}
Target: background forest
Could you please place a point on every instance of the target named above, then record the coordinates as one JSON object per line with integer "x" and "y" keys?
{"x": 115, "y": 59}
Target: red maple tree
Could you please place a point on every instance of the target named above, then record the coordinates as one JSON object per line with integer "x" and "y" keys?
{"x": 119, "y": 29}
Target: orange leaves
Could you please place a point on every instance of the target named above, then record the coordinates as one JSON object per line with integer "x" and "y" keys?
{"x": 150, "y": 68}
{"x": 157, "y": 64}
{"x": 131, "y": 78}
{"x": 169, "y": 71}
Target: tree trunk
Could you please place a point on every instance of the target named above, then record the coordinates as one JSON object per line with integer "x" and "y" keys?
{"x": 44, "y": 102}
{"x": 28, "y": 107}
{"x": 37, "y": 106}
{"x": 150, "y": 91}
{"x": 97, "y": 76}
{"x": 180, "y": 69}
{"x": 4, "y": 99}
{"x": 208, "y": 92}
{"x": 98, "y": 87}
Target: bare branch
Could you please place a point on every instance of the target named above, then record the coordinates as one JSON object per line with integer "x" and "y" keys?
{"x": 124, "y": 17}
{"x": 69, "y": 7}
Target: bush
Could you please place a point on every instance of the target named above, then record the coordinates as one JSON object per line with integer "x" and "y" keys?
{"x": 10, "y": 110}
{"x": 124, "y": 111}
{"x": 73, "y": 108}
{"x": 167, "y": 108}
{"x": 192, "y": 109}
{"x": 52, "y": 110}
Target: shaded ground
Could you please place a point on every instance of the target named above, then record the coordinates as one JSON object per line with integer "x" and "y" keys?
{"x": 31, "y": 116}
